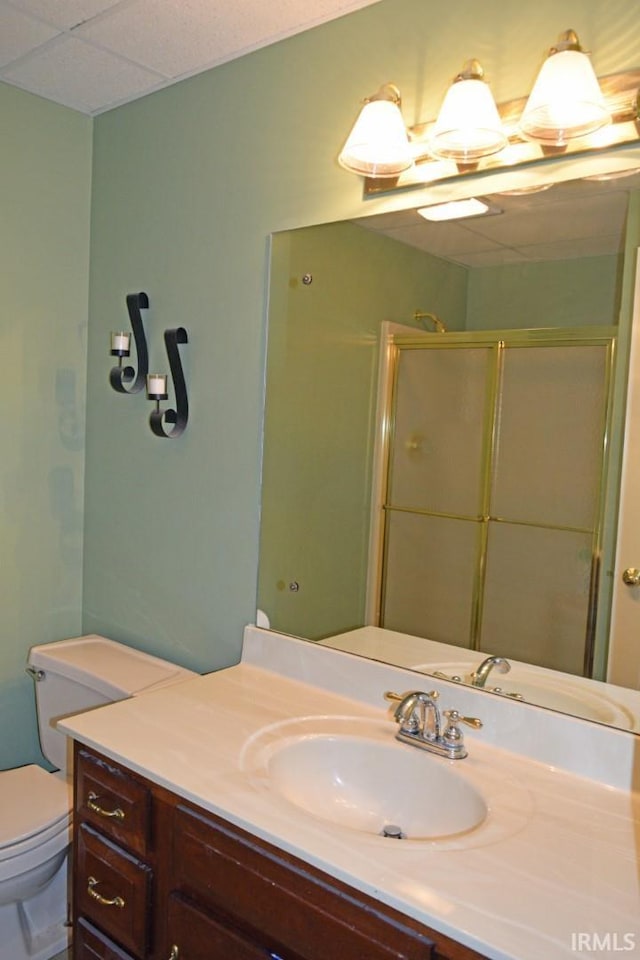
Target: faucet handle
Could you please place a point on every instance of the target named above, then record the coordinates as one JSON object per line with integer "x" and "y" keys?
{"x": 453, "y": 736}
{"x": 454, "y": 718}
{"x": 399, "y": 697}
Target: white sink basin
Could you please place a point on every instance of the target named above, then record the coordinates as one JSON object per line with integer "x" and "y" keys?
{"x": 369, "y": 786}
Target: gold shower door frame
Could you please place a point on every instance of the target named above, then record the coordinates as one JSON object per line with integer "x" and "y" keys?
{"x": 497, "y": 343}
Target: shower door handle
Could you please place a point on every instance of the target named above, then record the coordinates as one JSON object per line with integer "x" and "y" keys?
{"x": 631, "y": 577}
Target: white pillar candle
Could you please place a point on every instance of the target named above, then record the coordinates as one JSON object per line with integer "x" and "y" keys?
{"x": 120, "y": 342}
{"x": 156, "y": 384}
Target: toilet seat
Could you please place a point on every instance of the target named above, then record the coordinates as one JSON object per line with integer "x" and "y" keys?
{"x": 35, "y": 806}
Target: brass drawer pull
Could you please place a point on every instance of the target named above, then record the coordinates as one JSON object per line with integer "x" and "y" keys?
{"x": 117, "y": 814}
{"x": 175, "y": 953}
{"x": 114, "y": 902}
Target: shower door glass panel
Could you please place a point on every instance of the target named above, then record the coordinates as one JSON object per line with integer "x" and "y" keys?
{"x": 430, "y": 571}
{"x": 437, "y": 451}
{"x": 536, "y": 597}
{"x": 551, "y": 433}
{"x": 493, "y": 511}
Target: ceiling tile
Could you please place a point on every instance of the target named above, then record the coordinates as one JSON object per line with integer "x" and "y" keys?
{"x": 497, "y": 256}
{"x": 20, "y": 34}
{"x": 64, "y": 13}
{"x": 556, "y": 222}
{"x": 174, "y": 37}
{"x": 165, "y": 39}
{"x": 392, "y": 220}
{"x": 79, "y": 76}
{"x": 598, "y": 246}
{"x": 440, "y": 239}
{"x": 181, "y": 37}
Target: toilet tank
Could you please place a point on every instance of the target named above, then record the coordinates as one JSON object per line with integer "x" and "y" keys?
{"x": 86, "y": 672}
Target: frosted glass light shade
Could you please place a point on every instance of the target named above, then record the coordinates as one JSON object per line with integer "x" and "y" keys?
{"x": 468, "y": 125}
{"x": 378, "y": 145}
{"x": 566, "y": 101}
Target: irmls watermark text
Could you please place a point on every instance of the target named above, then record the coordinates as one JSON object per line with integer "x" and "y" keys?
{"x": 606, "y": 943}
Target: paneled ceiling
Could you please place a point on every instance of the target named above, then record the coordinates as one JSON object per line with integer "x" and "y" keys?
{"x": 581, "y": 218}
{"x": 93, "y": 55}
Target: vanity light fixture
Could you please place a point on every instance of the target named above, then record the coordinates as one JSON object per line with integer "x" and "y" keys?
{"x": 468, "y": 125}
{"x": 569, "y": 112}
{"x": 378, "y": 145}
{"x": 566, "y": 100}
{"x": 157, "y": 389}
{"x": 125, "y": 379}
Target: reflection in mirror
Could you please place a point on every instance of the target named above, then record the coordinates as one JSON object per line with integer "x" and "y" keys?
{"x": 456, "y": 490}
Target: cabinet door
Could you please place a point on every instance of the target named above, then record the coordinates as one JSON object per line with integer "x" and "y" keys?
{"x": 196, "y": 935}
{"x": 285, "y": 903}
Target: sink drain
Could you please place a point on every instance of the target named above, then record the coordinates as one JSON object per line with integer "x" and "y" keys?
{"x": 392, "y": 830}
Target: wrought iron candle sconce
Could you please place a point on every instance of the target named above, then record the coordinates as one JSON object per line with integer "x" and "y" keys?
{"x": 157, "y": 389}
{"x": 126, "y": 379}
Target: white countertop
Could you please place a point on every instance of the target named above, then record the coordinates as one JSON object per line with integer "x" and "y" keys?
{"x": 557, "y": 857}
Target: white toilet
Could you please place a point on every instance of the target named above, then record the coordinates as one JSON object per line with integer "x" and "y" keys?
{"x": 35, "y": 806}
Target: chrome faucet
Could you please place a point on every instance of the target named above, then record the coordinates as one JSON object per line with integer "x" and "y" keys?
{"x": 420, "y": 723}
{"x": 418, "y": 712}
{"x": 479, "y": 676}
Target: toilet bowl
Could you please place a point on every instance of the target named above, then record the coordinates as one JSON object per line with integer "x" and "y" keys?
{"x": 36, "y": 806}
{"x": 35, "y": 833}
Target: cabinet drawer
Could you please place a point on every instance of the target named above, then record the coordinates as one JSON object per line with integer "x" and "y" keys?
{"x": 198, "y": 936}
{"x": 113, "y": 889}
{"x": 113, "y": 801}
{"x": 242, "y": 880}
{"x": 90, "y": 944}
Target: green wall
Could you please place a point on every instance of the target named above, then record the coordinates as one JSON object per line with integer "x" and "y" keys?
{"x": 568, "y": 293}
{"x": 44, "y": 242}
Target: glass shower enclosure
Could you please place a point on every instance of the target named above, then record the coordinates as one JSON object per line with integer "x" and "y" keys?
{"x": 495, "y": 466}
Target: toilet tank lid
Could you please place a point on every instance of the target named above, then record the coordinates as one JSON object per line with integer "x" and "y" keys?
{"x": 112, "y": 668}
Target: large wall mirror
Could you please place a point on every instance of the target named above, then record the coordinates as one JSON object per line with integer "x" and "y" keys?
{"x": 443, "y": 439}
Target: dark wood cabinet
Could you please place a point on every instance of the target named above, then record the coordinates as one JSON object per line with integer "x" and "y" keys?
{"x": 164, "y": 880}
{"x": 198, "y": 935}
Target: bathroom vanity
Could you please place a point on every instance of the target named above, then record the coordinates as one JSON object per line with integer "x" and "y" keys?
{"x": 165, "y": 878}
{"x": 193, "y": 841}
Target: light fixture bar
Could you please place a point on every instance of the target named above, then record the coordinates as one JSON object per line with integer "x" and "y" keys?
{"x": 621, "y": 94}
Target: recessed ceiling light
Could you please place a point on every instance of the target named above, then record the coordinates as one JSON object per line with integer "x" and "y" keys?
{"x": 457, "y": 210}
